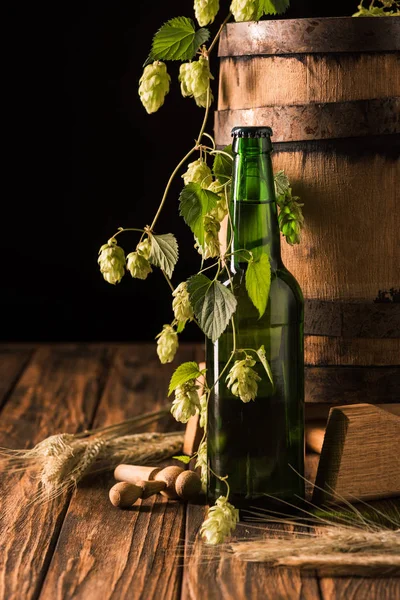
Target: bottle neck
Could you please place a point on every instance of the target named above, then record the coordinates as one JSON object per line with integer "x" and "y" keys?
{"x": 253, "y": 205}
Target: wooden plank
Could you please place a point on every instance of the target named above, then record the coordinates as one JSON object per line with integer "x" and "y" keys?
{"x": 314, "y": 35}
{"x": 360, "y": 455}
{"x": 116, "y": 553}
{"x": 359, "y": 588}
{"x": 317, "y": 121}
{"x": 58, "y": 392}
{"x": 246, "y": 82}
{"x": 12, "y": 362}
{"x": 358, "y": 352}
{"x": 344, "y": 385}
{"x": 215, "y": 577}
{"x": 352, "y": 319}
{"x": 209, "y": 575}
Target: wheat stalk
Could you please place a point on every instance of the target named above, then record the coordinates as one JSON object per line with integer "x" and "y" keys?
{"x": 59, "y": 462}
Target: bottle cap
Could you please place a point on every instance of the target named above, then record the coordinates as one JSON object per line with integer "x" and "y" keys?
{"x": 251, "y": 132}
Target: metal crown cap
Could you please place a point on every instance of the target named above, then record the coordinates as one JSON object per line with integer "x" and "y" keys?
{"x": 251, "y": 132}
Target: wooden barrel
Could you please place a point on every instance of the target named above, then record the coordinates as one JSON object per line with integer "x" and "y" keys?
{"x": 330, "y": 90}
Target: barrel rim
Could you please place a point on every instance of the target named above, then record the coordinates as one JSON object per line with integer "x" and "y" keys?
{"x": 310, "y": 36}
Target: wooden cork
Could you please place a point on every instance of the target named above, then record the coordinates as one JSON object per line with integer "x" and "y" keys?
{"x": 188, "y": 485}
{"x": 124, "y": 494}
{"x": 169, "y": 475}
{"x": 135, "y": 473}
{"x": 149, "y": 488}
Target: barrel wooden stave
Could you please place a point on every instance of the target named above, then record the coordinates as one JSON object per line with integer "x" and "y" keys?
{"x": 330, "y": 89}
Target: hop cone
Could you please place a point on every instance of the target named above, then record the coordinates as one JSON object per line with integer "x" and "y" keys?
{"x": 181, "y": 306}
{"x": 291, "y": 220}
{"x": 242, "y": 379}
{"x": 246, "y": 10}
{"x": 211, "y": 247}
{"x": 138, "y": 265}
{"x": 153, "y": 86}
{"x": 198, "y": 172}
{"x": 144, "y": 248}
{"x": 186, "y": 403}
{"x": 194, "y": 78}
{"x": 167, "y": 344}
{"x": 221, "y": 521}
{"x": 221, "y": 209}
{"x": 112, "y": 262}
{"x": 205, "y": 11}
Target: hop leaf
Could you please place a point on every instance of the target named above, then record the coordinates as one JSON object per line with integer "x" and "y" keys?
{"x": 186, "y": 403}
{"x": 282, "y": 184}
{"x": 138, "y": 266}
{"x": 167, "y": 344}
{"x": 112, "y": 262}
{"x": 177, "y": 39}
{"x": 164, "y": 252}
{"x": 221, "y": 521}
{"x": 246, "y": 10}
{"x": 194, "y": 78}
{"x": 154, "y": 86}
{"x": 205, "y": 11}
{"x": 242, "y": 379}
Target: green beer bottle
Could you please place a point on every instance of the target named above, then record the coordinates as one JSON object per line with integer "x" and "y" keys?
{"x": 258, "y": 444}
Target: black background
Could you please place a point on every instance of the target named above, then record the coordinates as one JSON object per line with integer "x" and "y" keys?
{"x": 81, "y": 157}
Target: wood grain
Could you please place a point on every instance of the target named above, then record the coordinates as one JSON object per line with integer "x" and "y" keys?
{"x": 215, "y": 577}
{"x": 123, "y": 553}
{"x": 345, "y": 351}
{"x": 344, "y": 385}
{"x": 359, "y": 588}
{"x": 315, "y": 35}
{"x": 352, "y": 319}
{"x": 58, "y": 392}
{"x": 326, "y": 78}
{"x": 360, "y": 455}
{"x": 317, "y": 120}
{"x": 12, "y": 362}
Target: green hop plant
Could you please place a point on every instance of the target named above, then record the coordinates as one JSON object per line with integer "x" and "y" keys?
{"x": 195, "y": 79}
{"x": 181, "y": 306}
{"x": 211, "y": 247}
{"x": 201, "y": 463}
{"x": 198, "y": 172}
{"x": 138, "y": 266}
{"x": 144, "y": 248}
{"x": 205, "y": 11}
{"x": 246, "y": 10}
{"x": 203, "y": 411}
{"x": 186, "y": 403}
{"x": 221, "y": 521}
{"x": 167, "y": 344}
{"x": 242, "y": 379}
{"x": 112, "y": 262}
{"x": 290, "y": 218}
{"x": 154, "y": 86}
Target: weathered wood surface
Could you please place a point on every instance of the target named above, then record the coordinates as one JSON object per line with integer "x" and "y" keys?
{"x": 117, "y": 553}
{"x": 296, "y": 36}
{"x": 59, "y": 391}
{"x": 245, "y": 84}
{"x": 317, "y": 120}
{"x": 356, "y": 352}
{"x": 360, "y": 455}
{"x": 352, "y": 319}
{"x": 344, "y": 385}
{"x": 82, "y": 546}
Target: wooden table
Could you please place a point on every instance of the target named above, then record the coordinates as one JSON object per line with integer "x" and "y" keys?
{"x": 82, "y": 547}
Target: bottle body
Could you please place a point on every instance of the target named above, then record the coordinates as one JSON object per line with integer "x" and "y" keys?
{"x": 259, "y": 444}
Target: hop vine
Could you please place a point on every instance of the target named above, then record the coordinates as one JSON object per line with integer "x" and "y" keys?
{"x": 206, "y": 172}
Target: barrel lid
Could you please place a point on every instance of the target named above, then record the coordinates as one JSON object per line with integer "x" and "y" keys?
{"x": 254, "y": 131}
